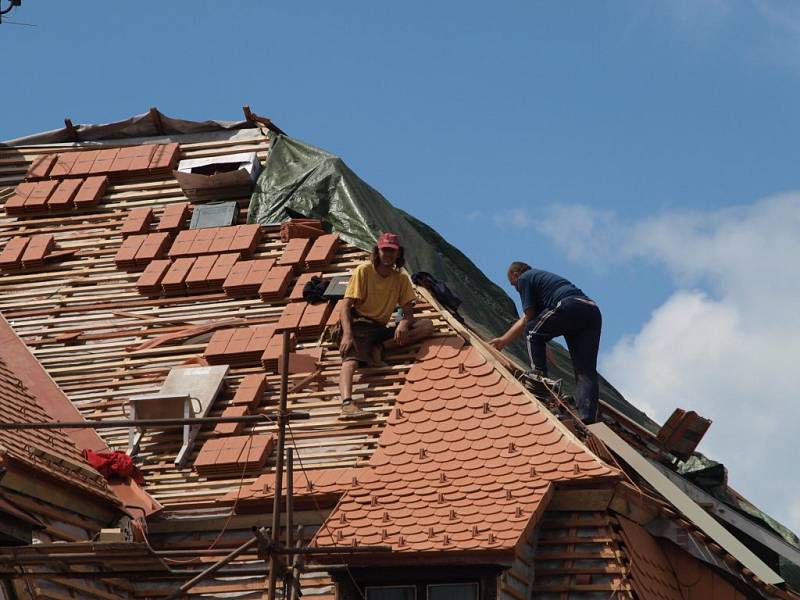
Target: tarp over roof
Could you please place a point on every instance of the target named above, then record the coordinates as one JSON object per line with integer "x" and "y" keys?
{"x": 301, "y": 180}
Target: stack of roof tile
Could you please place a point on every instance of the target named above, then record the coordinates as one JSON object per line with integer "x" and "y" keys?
{"x": 315, "y": 318}
{"x": 149, "y": 282}
{"x": 91, "y": 192}
{"x": 174, "y": 281}
{"x": 239, "y": 347}
{"x": 174, "y": 217}
{"x": 322, "y": 252}
{"x": 301, "y": 228}
{"x": 232, "y": 456}
{"x": 250, "y": 391}
{"x": 271, "y": 357}
{"x": 210, "y": 272}
{"x": 247, "y": 277}
{"x": 138, "y": 221}
{"x": 276, "y": 284}
{"x": 64, "y": 195}
{"x": 137, "y": 251}
{"x": 30, "y": 197}
{"x": 240, "y": 239}
{"x": 11, "y": 257}
{"x": 294, "y": 254}
{"x": 302, "y": 280}
{"x": 37, "y": 249}
{"x": 40, "y": 167}
{"x": 290, "y": 317}
{"x": 129, "y": 161}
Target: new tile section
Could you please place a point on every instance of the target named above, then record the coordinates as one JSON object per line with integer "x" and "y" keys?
{"x": 465, "y": 462}
{"x": 651, "y": 574}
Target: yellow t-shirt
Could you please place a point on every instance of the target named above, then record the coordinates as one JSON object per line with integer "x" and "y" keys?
{"x": 376, "y": 296}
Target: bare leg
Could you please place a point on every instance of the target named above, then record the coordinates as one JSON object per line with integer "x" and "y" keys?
{"x": 420, "y": 329}
{"x": 346, "y": 379}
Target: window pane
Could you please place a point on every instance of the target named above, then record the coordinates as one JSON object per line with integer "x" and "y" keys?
{"x": 453, "y": 591}
{"x": 406, "y": 592}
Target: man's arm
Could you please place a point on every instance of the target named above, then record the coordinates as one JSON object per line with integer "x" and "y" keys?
{"x": 515, "y": 330}
{"x": 401, "y": 331}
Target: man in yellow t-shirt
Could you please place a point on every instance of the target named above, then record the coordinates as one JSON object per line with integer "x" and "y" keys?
{"x": 376, "y": 288}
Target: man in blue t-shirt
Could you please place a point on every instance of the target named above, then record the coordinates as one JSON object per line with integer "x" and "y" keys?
{"x": 553, "y": 306}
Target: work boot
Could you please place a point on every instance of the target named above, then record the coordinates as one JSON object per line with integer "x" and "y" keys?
{"x": 536, "y": 379}
{"x": 350, "y": 410}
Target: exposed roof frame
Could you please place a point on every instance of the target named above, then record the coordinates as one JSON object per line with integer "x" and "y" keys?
{"x": 688, "y": 507}
{"x": 732, "y": 517}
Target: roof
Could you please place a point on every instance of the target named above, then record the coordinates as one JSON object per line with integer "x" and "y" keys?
{"x": 466, "y": 461}
{"x": 458, "y": 462}
{"x": 51, "y": 453}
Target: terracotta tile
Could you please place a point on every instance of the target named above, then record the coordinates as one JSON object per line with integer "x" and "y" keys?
{"x": 222, "y": 267}
{"x": 63, "y": 196}
{"x": 149, "y": 281}
{"x": 259, "y": 271}
{"x": 91, "y": 192}
{"x": 322, "y": 251}
{"x": 37, "y": 199}
{"x": 63, "y": 165}
{"x": 203, "y": 239}
{"x": 276, "y": 284}
{"x": 174, "y": 217}
{"x": 138, "y": 221}
{"x": 126, "y": 255}
{"x": 153, "y": 246}
{"x": 223, "y": 239}
{"x": 40, "y": 167}
{"x": 11, "y": 257}
{"x": 237, "y": 275}
{"x": 15, "y": 205}
{"x": 103, "y": 161}
{"x": 294, "y": 253}
{"x": 302, "y": 280}
{"x": 183, "y": 243}
{"x": 315, "y": 316}
{"x": 250, "y": 391}
{"x": 260, "y": 338}
{"x": 174, "y": 279}
{"x": 165, "y": 157}
{"x": 140, "y": 159}
{"x": 291, "y": 317}
{"x": 246, "y": 239}
{"x": 239, "y": 341}
{"x": 231, "y": 428}
{"x": 218, "y": 342}
{"x": 38, "y": 247}
{"x": 83, "y": 163}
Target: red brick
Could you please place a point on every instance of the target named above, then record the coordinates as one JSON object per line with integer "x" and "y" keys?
{"x": 11, "y": 256}
{"x": 174, "y": 217}
{"x": 62, "y": 197}
{"x": 137, "y": 221}
{"x": 91, "y": 192}
{"x": 40, "y": 168}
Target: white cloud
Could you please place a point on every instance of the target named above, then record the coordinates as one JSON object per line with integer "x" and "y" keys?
{"x": 726, "y": 342}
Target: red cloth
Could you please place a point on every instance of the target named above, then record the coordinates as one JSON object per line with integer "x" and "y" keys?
{"x": 113, "y": 465}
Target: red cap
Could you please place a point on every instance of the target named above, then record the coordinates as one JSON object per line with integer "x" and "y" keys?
{"x": 389, "y": 240}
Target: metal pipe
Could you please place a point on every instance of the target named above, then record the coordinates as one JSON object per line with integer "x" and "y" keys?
{"x": 214, "y": 568}
{"x": 155, "y": 423}
{"x": 276, "y": 504}
{"x": 289, "y": 499}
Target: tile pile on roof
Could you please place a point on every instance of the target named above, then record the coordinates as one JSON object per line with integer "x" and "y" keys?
{"x": 465, "y": 463}
{"x": 243, "y": 346}
{"x": 233, "y": 455}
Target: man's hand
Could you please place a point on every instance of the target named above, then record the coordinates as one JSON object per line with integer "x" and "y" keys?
{"x": 401, "y": 332}
{"x": 498, "y": 343}
{"x": 346, "y": 343}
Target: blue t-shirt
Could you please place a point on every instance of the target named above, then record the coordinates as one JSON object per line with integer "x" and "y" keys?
{"x": 543, "y": 290}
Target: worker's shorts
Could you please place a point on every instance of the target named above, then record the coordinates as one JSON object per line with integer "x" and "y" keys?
{"x": 367, "y": 335}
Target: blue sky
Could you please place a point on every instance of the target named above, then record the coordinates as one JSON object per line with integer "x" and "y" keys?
{"x": 645, "y": 150}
